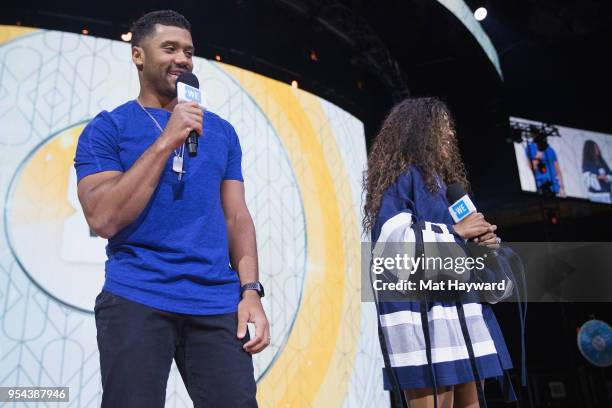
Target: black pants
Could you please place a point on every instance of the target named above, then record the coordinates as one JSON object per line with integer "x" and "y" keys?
{"x": 137, "y": 344}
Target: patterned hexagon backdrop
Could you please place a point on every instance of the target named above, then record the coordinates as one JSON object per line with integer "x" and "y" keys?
{"x": 303, "y": 159}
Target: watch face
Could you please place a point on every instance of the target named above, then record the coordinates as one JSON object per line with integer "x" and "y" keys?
{"x": 259, "y": 288}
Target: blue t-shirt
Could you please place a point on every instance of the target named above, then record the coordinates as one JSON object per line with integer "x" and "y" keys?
{"x": 175, "y": 255}
{"x": 549, "y": 158}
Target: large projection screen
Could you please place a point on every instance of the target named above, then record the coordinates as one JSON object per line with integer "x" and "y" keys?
{"x": 303, "y": 159}
{"x": 582, "y": 158}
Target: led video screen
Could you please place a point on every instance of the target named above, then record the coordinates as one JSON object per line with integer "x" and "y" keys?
{"x": 563, "y": 162}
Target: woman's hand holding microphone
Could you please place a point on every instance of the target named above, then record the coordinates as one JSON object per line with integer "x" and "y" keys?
{"x": 476, "y": 228}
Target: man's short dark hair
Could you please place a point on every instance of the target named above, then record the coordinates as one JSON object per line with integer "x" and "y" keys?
{"x": 145, "y": 25}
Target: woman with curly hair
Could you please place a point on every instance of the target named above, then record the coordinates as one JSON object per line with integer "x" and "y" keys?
{"x": 414, "y": 156}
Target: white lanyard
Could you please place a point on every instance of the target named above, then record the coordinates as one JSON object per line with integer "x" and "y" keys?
{"x": 177, "y": 162}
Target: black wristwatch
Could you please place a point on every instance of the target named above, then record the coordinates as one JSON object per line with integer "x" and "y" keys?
{"x": 256, "y": 286}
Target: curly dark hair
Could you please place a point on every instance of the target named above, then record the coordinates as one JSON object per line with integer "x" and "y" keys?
{"x": 145, "y": 25}
{"x": 591, "y": 157}
{"x": 414, "y": 133}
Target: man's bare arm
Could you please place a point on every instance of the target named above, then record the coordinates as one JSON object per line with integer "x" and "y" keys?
{"x": 243, "y": 256}
{"x": 112, "y": 200}
{"x": 240, "y": 231}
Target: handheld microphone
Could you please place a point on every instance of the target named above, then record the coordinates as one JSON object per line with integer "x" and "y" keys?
{"x": 460, "y": 203}
{"x": 188, "y": 90}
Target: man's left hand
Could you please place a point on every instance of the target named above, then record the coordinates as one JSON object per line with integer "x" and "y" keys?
{"x": 250, "y": 310}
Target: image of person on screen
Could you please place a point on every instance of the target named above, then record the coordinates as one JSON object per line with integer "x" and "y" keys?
{"x": 545, "y": 166}
{"x": 181, "y": 279}
{"x": 596, "y": 174}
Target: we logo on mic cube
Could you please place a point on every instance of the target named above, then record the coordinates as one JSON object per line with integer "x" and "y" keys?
{"x": 187, "y": 93}
{"x": 461, "y": 208}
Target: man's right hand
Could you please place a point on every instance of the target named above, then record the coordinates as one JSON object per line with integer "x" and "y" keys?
{"x": 472, "y": 226}
{"x": 112, "y": 200}
{"x": 186, "y": 116}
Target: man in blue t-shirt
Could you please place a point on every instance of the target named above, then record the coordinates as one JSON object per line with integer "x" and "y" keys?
{"x": 181, "y": 275}
{"x": 543, "y": 162}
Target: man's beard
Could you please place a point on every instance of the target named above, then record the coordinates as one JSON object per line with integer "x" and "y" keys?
{"x": 166, "y": 88}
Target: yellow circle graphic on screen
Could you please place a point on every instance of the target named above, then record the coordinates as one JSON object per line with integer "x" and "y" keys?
{"x": 46, "y": 227}
{"x": 311, "y": 370}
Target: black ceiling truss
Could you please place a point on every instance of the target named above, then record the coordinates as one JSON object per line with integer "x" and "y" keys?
{"x": 340, "y": 20}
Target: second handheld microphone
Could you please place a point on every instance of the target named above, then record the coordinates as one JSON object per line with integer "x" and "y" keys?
{"x": 188, "y": 90}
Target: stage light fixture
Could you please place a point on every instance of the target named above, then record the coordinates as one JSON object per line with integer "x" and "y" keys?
{"x": 127, "y": 37}
{"x": 480, "y": 13}
{"x": 313, "y": 56}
